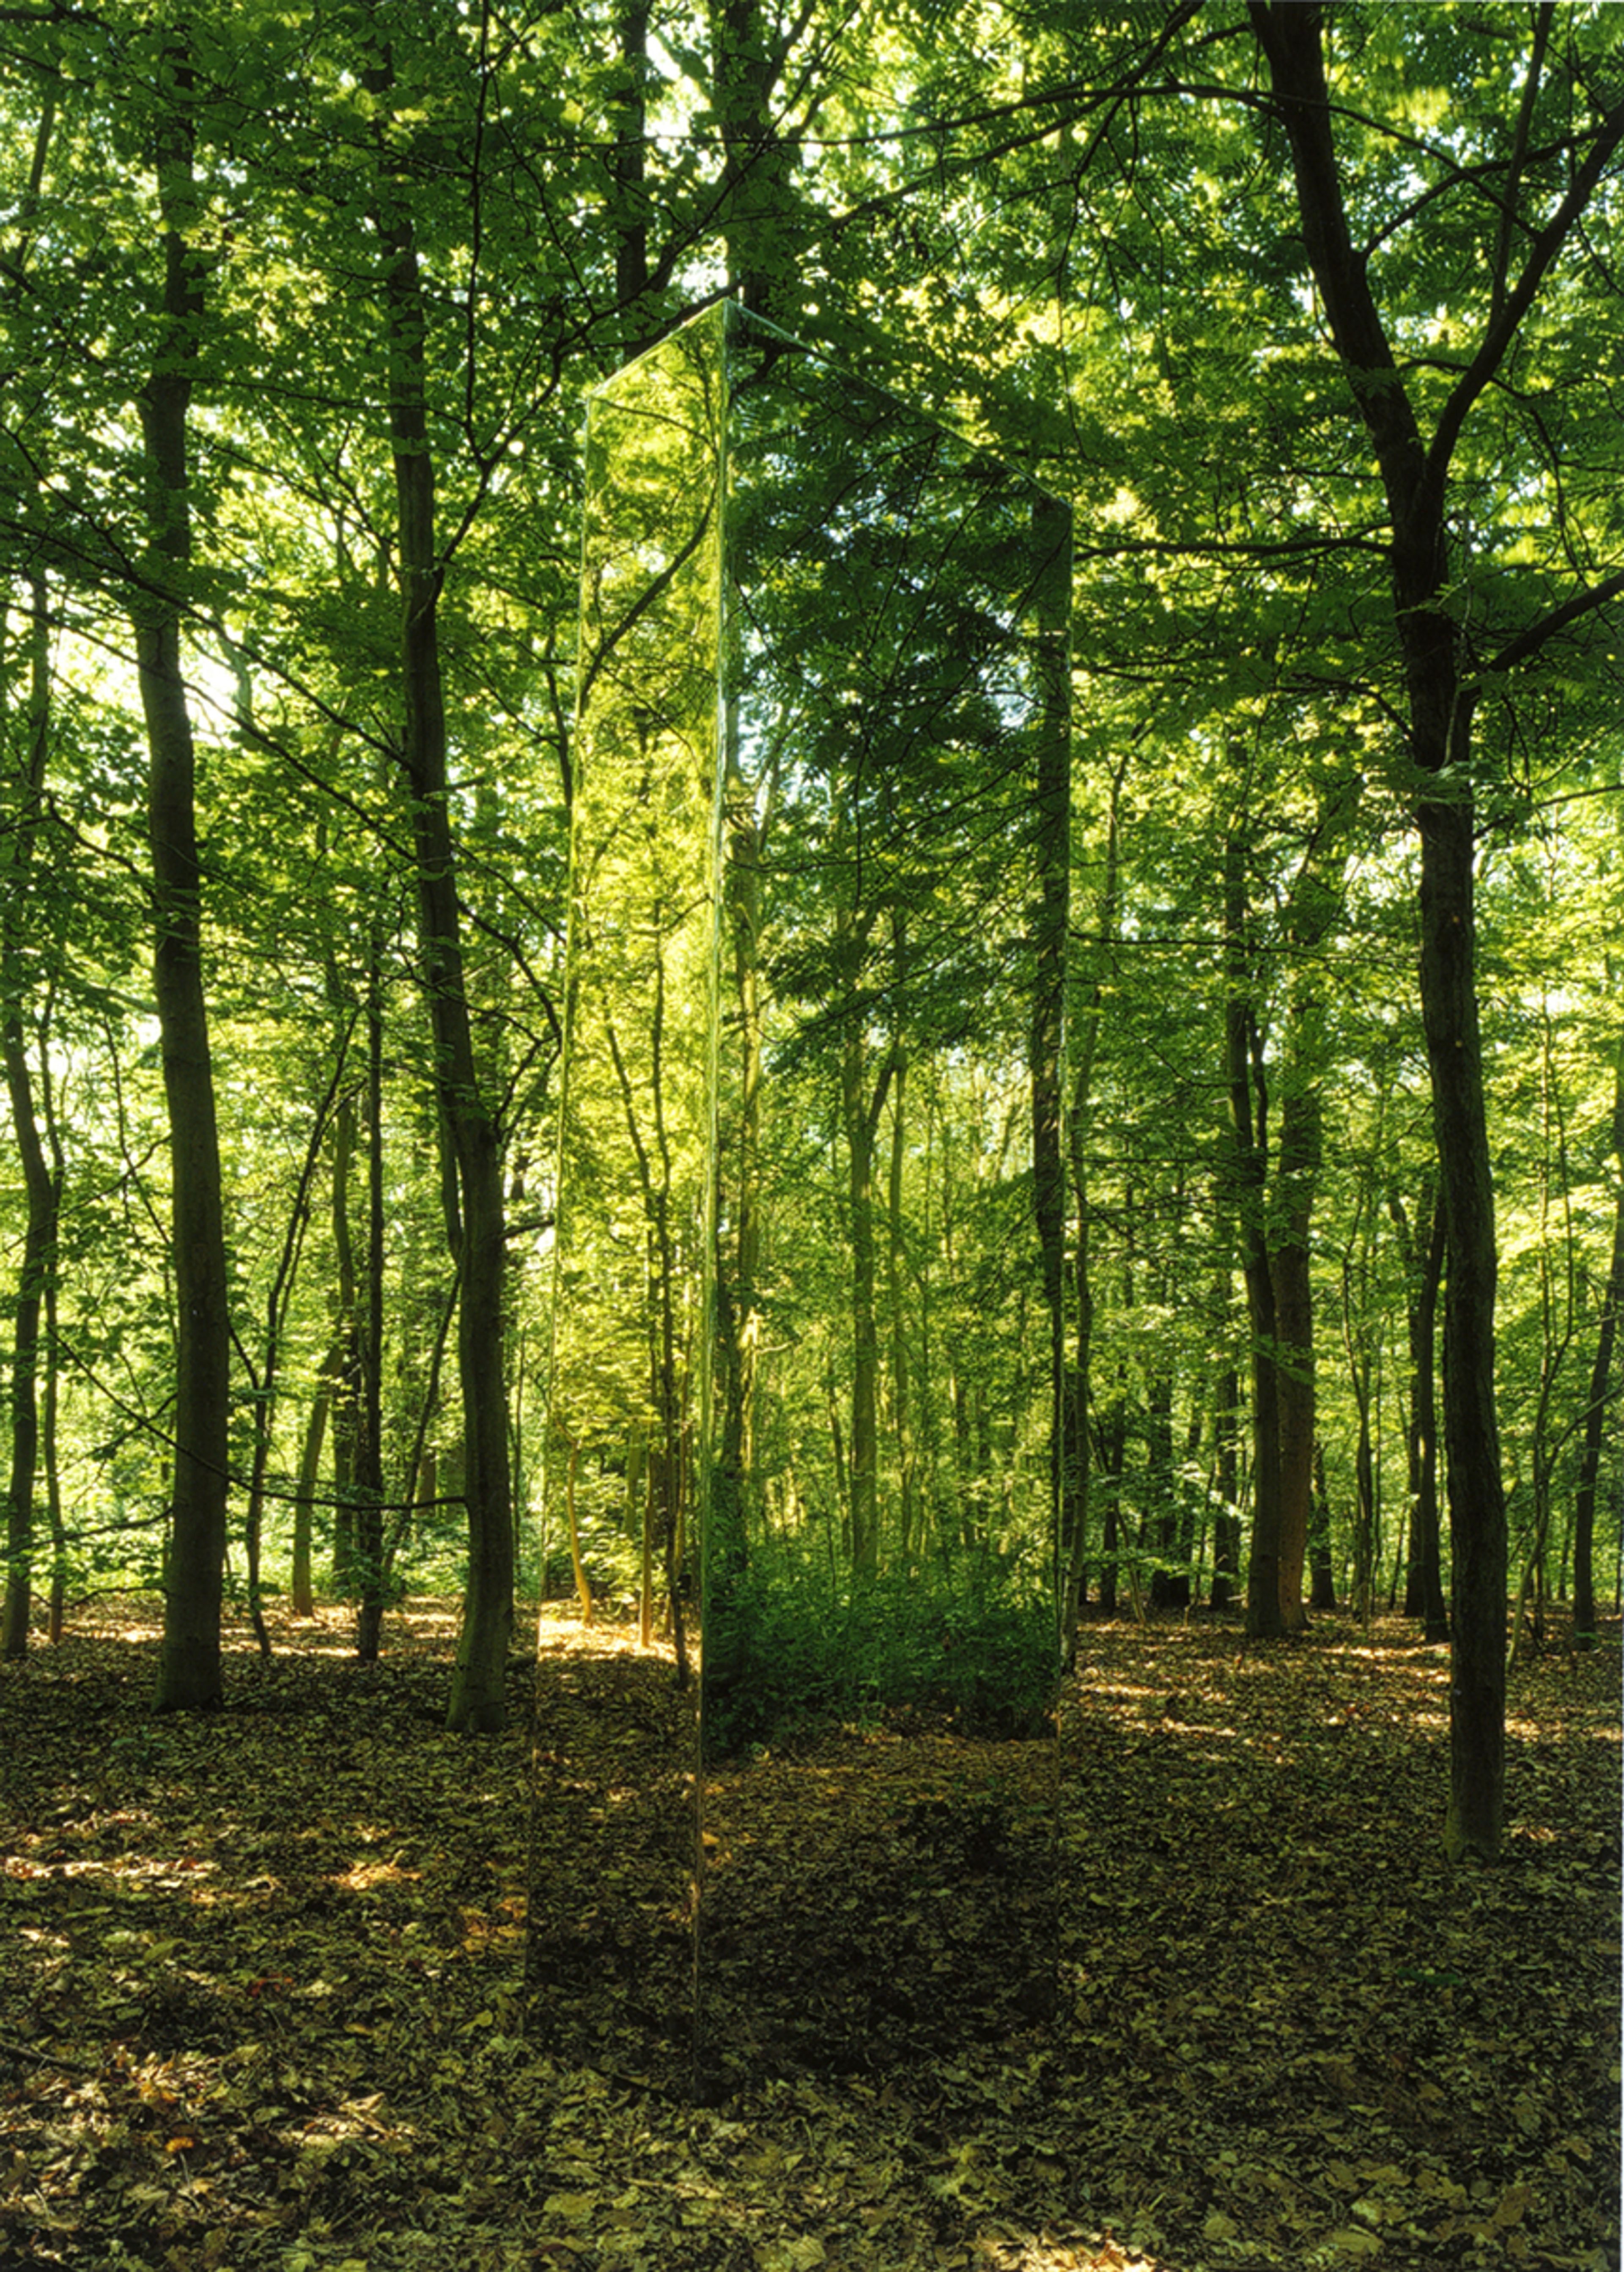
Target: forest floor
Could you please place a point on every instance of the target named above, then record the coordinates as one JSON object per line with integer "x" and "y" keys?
{"x": 263, "y": 2003}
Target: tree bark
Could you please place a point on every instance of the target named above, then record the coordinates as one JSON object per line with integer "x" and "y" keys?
{"x": 189, "y": 1672}
{"x": 1600, "y": 1384}
{"x": 41, "y": 1185}
{"x": 476, "y": 1702}
{"x": 1246, "y": 1106}
{"x": 1440, "y": 701}
{"x": 1424, "y": 1276}
{"x": 370, "y": 1447}
{"x": 1052, "y": 788}
{"x": 860, "y": 1113}
{"x": 1078, "y": 1496}
{"x": 1315, "y": 903}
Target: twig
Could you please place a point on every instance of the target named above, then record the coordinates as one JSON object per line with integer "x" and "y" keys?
{"x": 44, "y": 2059}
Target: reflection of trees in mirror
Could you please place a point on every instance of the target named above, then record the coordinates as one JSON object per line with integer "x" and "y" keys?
{"x": 796, "y": 1644}
{"x": 802, "y": 1305}
{"x": 883, "y": 834}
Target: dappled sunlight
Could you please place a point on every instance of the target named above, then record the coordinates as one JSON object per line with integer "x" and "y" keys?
{"x": 266, "y": 1960}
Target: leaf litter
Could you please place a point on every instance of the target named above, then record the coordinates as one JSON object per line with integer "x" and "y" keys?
{"x": 263, "y": 2007}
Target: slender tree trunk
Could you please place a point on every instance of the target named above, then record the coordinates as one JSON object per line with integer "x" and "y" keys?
{"x": 1323, "y": 1595}
{"x": 346, "y": 1370}
{"x": 1112, "y": 1458}
{"x": 476, "y": 1702}
{"x": 1424, "y": 1277}
{"x": 1169, "y": 1586}
{"x": 746, "y": 805}
{"x": 1226, "y": 1483}
{"x": 896, "y": 1249}
{"x": 50, "y": 1397}
{"x": 41, "y": 1185}
{"x": 38, "y": 1260}
{"x": 1315, "y": 904}
{"x": 863, "y": 1451}
{"x": 1077, "y": 1488}
{"x": 1600, "y": 1384}
{"x": 369, "y": 1460}
{"x": 188, "y": 1673}
{"x": 301, "y": 1588}
{"x": 1051, "y": 531}
{"x": 1247, "y": 1112}
{"x": 582, "y": 1585}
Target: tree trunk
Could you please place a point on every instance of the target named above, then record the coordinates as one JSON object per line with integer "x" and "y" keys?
{"x": 1051, "y": 790}
{"x": 863, "y": 1450}
{"x": 302, "y": 1589}
{"x": 38, "y": 1260}
{"x": 1249, "y": 1156}
{"x": 1440, "y": 702}
{"x": 746, "y": 810}
{"x": 369, "y": 1447}
{"x": 346, "y": 1373}
{"x": 476, "y": 1702}
{"x": 630, "y": 209}
{"x": 1077, "y": 1490}
{"x": 1169, "y": 1586}
{"x": 1315, "y": 904}
{"x": 189, "y": 1671}
{"x": 41, "y": 1186}
{"x": 1471, "y": 1428}
{"x": 1323, "y": 1594}
{"x": 1112, "y": 1458}
{"x": 1227, "y": 1484}
{"x": 1600, "y": 1384}
{"x": 896, "y": 1249}
{"x": 1424, "y": 1276}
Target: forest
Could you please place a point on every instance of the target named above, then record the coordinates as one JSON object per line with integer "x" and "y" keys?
{"x": 811, "y": 870}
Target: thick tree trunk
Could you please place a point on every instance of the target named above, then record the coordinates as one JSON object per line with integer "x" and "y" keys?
{"x": 189, "y": 1671}
{"x": 189, "y": 1668}
{"x": 1470, "y": 1424}
{"x": 758, "y": 185}
{"x": 1415, "y": 478}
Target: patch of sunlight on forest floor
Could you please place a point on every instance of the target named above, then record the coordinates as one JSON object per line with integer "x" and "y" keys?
{"x": 263, "y": 2008}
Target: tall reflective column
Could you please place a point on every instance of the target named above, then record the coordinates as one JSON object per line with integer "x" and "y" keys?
{"x": 808, "y": 1323}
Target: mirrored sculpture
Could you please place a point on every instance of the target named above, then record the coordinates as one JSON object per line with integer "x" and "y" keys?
{"x": 807, "y": 1323}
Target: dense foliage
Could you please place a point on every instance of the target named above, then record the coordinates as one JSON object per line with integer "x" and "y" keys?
{"x": 1309, "y": 313}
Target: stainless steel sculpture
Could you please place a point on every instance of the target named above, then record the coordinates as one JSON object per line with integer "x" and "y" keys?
{"x": 808, "y": 1321}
